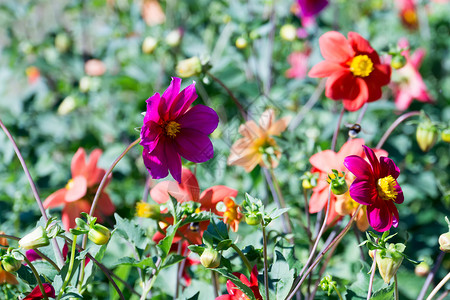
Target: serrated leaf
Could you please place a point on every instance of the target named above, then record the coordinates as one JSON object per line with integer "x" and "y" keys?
{"x": 166, "y": 242}
{"x": 132, "y": 232}
{"x": 386, "y": 293}
{"x": 281, "y": 276}
{"x": 141, "y": 264}
{"x": 241, "y": 286}
{"x": 171, "y": 260}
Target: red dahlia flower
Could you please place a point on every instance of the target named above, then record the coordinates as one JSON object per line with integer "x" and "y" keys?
{"x": 171, "y": 129}
{"x": 236, "y": 294}
{"x": 37, "y": 294}
{"x": 376, "y": 186}
{"x": 355, "y": 73}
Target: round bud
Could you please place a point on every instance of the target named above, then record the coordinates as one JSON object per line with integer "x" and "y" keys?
{"x": 10, "y": 264}
{"x": 62, "y": 42}
{"x": 149, "y": 45}
{"x": 210, "y": 258}
{"x": 288, "y": 32}
{"x": 426, "y": 135}
{"x": 99, "y": 234}
{"x": 445, "y": 135}
{"x": 189, "y": 67}
{"x": 398, "y": 61}
{"x": 241, "y": 43}
{"x": 422, "y": 269}
{"x": 35, "y": 239}
{"x": 444, "y": 242}
{"x": 253, "y": 219}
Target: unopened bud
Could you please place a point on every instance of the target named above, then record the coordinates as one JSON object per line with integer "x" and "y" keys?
{"x": 241, "y": 43}
{"x": 10, "y": 264}
{"x": 210, "y": 258}
{"x": 426, "y": 135}
{"x": 62, "y": 42}
{"x": 388, "y": 266}
{"x": 444, "y": 242}
{"x": 173, "y": 39}
{"x": 253, "y": 219}
{"x": 288, "y": 32}
{"x": 99, "y": 234}
{"x": 422, "y": 269}
{"x": 337, "y": 182}
{"x": 398, "y": 61}
{"x": 445, "y": 135}
{"x": 189, "y": 67}
{"x": 35, "y": 239}
{"x": 149, "y": 45}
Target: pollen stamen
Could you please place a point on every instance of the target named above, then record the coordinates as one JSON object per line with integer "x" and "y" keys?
{"x": 361, "y": 66}
{"x": 386, "y": 188}
{"x": 172, "y": 128}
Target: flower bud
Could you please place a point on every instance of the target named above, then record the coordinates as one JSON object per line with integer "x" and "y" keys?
{"x": 173, "y": 39}
{"x": 10, "y": 264}
{"x": 253, "y": 219}
{"x": 422, "y": 269}
{"x": 35, "y": 239}
{"x": 149, "y": 45}
{"x": 398, "y": 61}
{"x": 99, "y": 234}
{"x": 85, "y": 84}
{"x": 189, "y": 67}
{"x": 337, "y": 182}
{"x": 445, "y": 135}
{"x": 444, "y": 242}
{"x": 388, "y": 266}
{"x": 426, "y": 135}
{"x": 62, "y": 42}
{"x": 288, "y": 32}
{"x": 210, "y": 258}
{"x": 241, "y": 43}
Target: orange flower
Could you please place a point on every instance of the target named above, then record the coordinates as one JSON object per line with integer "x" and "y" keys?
{"x": 231, "y": 215}
{"x": 79, "y": 192}
{"x": 253, "y": 148}
{"x": 33, "y": 74}
{"x": 6, "y": 277}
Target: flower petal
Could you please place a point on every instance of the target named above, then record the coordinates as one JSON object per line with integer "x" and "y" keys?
{"x": 379, "y": 216}
{"x": 78, "y": 162}
{"x": 91, "y": 172}
{"x": 150, "y": 135}
{"x": 359, "y": 95}
{"x": 324, "y": 69}
{"x": 77, "y": 189}
{"x": 342, "y": 85}
{"x": 359, "y": 44}
{"x": 359, "y": 167}
{"x": 352, "y": 147}
{"x": 213, "y": 195}
{"x": 394, "y": 213}
{"x": 373, "y": 160}
{"x": 173, "y": 160}
{"x": 72, "y": 211}
{"x": 37, "y": 294}
{"x": 56, "y": 199}
{"x": 105, "y": 205}
{"x": 250, "y": 130}
{"x": 152, "y": 112}
{"x": 194, "y": 145}
{"x": 335, "y": 47}
{"x": 363, "y": 191}
{"x": 183, "y": 101}
{"x": 388, "y": 167}
{"x": 325, "y": 161}
{"x": 400, "y": 198}
{"x": 155, "y": 161}
{"x": 201, "y": 118}
{"x": 169, "y": 96}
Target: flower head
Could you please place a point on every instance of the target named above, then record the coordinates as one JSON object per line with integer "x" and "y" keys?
{"x": 6, "y": 277}
{"x": 231, "y": 216}
{"x": 257, "y": 145}
{"x": 37, "y": 294}
{"x": 408, "y": 13}
{"x": 79, "y": 192}
{"x": 376, "y": 186}
{"x": 172, "y": 129}
{"x": 310, "y": 8}
{"x": 354, "y": 70}
{"x": 299, "y": 63}
{"x": 407, "y": 83}
{"x": 188, "y": 190}
{"x": 236, "y": 294}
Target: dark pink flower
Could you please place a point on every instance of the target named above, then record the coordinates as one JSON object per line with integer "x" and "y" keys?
{"x": 37, "y": 294}
{"x": 299, "y": 63}
{"x": 172, "y": 129}
{"x": 310, "y": 8}
{"x": 376, "y": 186}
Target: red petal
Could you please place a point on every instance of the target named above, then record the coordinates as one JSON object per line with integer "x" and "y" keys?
{"x": 210, "y": 197}
{"x": 77, "y": 190}
{"x": 78, "y": 162}
{"x": 342, "y": 85}
{"x": 324, "y": 69}
{"x": 362, "y": 95}
{"x": 56, "y": 199}
{"x": 335, "y": 47}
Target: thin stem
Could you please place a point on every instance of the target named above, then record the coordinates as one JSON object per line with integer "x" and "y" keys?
{"x": 308, "y": 220}
{"x": 36, "y": 274}
{"x": 69, "y": 271}
{"x": 372, "y": 274}
{"x": 56, "y": 249}
{"x": 266, "y": 268}
{"x": 336, "y": 131}
{"x": 438, "y": 287}
{"x": 322, "y": 254}
{"x": 149, "y": 285}
{"x": 177, "y": 282}
{"x": 282, "y": 203}
{"x": 230, "y": 93}
{"x": 444, "y": 295}
{"x": 337, "y": 291}
{"x": 430, "y": 276}
{"x": 394, "y": 125}
{"x": 396, "y": 297}
{"x": 242, "y": 256}
{"x": 215, "y": 284}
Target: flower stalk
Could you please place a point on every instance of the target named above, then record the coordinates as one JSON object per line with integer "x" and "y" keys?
{"x": 69, "y": 271}
{"x": 266, "y": 268}
{"x": 36, "y": 274}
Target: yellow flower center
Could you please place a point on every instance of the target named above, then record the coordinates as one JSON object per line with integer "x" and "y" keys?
{"x": 386, "y": 188}
{"x": 361, "y": 66}
{"x": 410, "y": 16}
{"x": 172, "y": 128}
{"x": 143, "y": 209}
{"x": 69, "y": 184}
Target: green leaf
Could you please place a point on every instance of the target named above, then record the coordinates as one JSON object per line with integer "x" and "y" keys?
{"x": 196, "y": 249}
{"x": 171, "y": 260}
{"x": 27, "y": 275}
{"x": 147, "y": 262}
{"x": 241, "y": 286}
{"x": 386, "y": 293}
{"x": 45, "y": 269}
{"x": 132, "y": 232}
{"x": 224, "y": 245}
{"x": 166, "y": 242}
{"x": 197, "y": 217}
{"x": 278, "y": 212}
{"x": 281, "y": 276}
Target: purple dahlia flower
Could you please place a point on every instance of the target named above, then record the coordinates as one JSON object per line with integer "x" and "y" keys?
{"x": 172, "y": 129}
{"x": 311, "y": 8}
{"x": 376, "y": 186}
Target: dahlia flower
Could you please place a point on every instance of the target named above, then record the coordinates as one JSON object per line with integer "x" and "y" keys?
{"x": 376, "y": 186}
{"x": 354, "y": 70}
{"x": 171, "y": 129}
{"x": 236, "y": 294}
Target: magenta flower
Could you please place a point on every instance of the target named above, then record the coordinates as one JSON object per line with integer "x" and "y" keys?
{"x": 310, "y": 8}
{"x": 36, "y": 293}
{"x": 376, "y": 186}
{"x": 171, "y": 129}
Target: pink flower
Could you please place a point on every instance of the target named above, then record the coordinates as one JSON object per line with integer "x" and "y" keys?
{"x": 79, "y": 192}
{"x": 36, "y": 293}
{"x": 376, "y": 186}
{"x": 407, "y": 83}
{"x": 188, "y": 190}
{"x": 310, "y": 8}
{"x": 236, "y": 294}
{"x": 299, "y": 63}
{"x": 408, "y": 13}
{"x": 171, "y": 129}
{"x": 354, "y": 70}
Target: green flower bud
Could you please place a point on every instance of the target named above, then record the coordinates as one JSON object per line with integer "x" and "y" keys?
{"x": 288, "y": 32}
{"x": 99, "y": 234}
{"x": 426, "y": 135}
{"x": 35, "y": 239}
{"x": 149, "y": 45}
{"x": 422, "y": 269}
{"x": 253, "y": 219}
{"x": 189, "y": 67}
{"x": 210, "y": 258}
{"x": 337, "y": 182}
{"x": 388, "y": 261}
{"x": 62, "y": 42}
{"x": 10, "y": 264}
{"x": 445, "y": 135}
{"x": 398, "y": 61}
{"x": 444, "y": 242}
{"x": 241, "y": 43}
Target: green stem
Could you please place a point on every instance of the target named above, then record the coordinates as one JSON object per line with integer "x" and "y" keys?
{"x": 266, "y": 269}
{"x": 394, "y": 125}
{"x": 36, "y": 274}
{"x": 69, "y": 272}
{"x": 396, "y": 297}
{"x": 244, "y": 259}
{"x": 336, "y": 131}
{"x": 148, "y": 288}
{"x": 337, "y": 292}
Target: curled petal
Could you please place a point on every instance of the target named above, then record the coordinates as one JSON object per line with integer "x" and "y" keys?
{"x": 363, "y": 191}
{"x": 379, "y": 216}
{"x": 373, "y": 160}
{"x": 388, "y": 167}
{"x": 169, "y": 96}
{"x": 359, "y": 167}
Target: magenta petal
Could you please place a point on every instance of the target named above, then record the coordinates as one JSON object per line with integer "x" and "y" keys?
{"x": 388, "y": 167}
{"x": 173, "y": 161}
{"x": 363, "y": 192}
{"x": 150, "y": 135}
{"x": 310, "y": 8}
{"x": 379, "y": 216}
{"x": 156, "y": 162}
{"x": 171, "y": 93}
{"x": 394, "y": 212}
{"x": 373, "y": 160}
{"x": 32, "y": 255}
{"x": 400, "y": 198}
{"x": 358, "y": 166}
{"x": 201, "y": 118}
{"x": 152, "y": 108}
{"x": 194, "y": 145}
{"x": 183, "y": 101}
